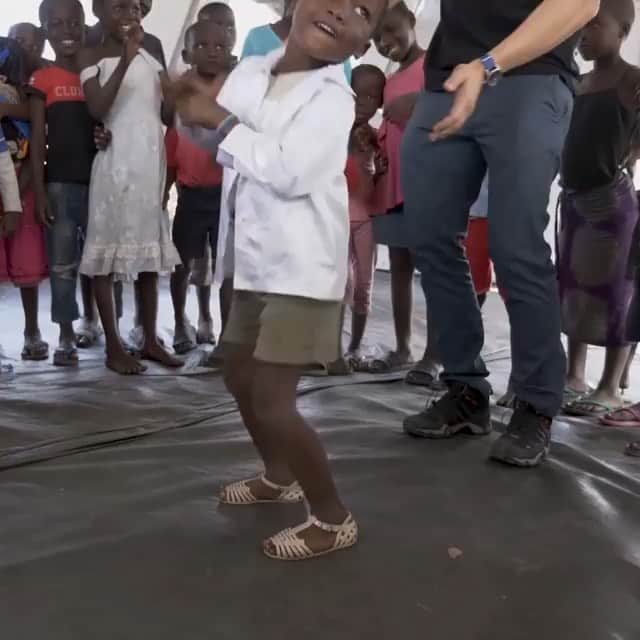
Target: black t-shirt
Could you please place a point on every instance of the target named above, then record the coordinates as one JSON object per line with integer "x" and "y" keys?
{"x": 471, "y": 28}
{"x": 70, "y": 143}
{"x": 150, "y": 43}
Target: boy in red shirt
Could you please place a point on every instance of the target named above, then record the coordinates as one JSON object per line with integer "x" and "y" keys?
{"x": 208, "y": 47}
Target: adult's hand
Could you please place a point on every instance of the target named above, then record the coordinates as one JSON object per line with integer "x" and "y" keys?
{"x": 43, "y": 213}
{"x": 466, "y": 82}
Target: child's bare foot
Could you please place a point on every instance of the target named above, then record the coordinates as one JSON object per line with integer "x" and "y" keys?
{"x": 312, "y": 539}
{"x": 205, "y": 334}
{"x": 124, "y": 363}
{"x": 154, "y": 351}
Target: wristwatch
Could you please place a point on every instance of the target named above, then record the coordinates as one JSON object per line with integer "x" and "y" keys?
{"x": 492, "y": 71}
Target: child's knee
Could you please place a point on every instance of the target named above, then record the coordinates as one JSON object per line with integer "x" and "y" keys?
{"x": 237, "y": 382}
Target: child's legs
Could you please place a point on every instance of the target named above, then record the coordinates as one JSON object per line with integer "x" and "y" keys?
{"x": 402, "y": 270}
{"x": 614, "y": 365}
{"x": 577, "y": 365}
{"x": 29, "y": 296}
{"x": 103, "y": 289}
{"x": 226, "y": 295}
{"x": 179, "y": 291}
{"x": 68, "y": 206}
{"x": 88, "y": 300}
{"x": 239, "y": 377}
{"x": 363, "y": 247}
{"x": 274, "y": 402}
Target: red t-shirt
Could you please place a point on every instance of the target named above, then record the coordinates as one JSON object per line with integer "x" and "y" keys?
{"x": 70, "y": 144}
{"x": 194, "y": 167}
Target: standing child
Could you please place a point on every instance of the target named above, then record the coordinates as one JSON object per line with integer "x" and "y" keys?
{"x": 31, "y": 40}
{"x": 396, "y": 41}
{"x": 63, "y": 150}
{"x": 128, "y": 233}
{"x": 368, "y": 84}
{"x": 199, "y": 179}
{"x": 287, "y": 141}
{"x": 22, "y": 250}
{"x": 599, "y": 212}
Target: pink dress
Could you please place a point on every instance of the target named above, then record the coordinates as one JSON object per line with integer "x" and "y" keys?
{"x": 409, "y": 80}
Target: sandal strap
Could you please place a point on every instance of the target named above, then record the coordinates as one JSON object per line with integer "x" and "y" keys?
{"x": 288, "y": 545}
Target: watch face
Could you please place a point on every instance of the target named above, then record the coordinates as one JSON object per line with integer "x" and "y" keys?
{"x": 493, "y": 78}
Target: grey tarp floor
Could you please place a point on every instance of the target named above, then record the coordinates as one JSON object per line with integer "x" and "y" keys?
{"x": 109, "y": 528}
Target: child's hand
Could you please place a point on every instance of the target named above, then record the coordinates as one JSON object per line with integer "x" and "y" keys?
{"x": 9, "y": 223}
{"x": 101, "y": 137}
{"x": 195, "y": 101}
{"x": 399, "y": 110}
{"x": 132, "y": 44}
{"x": 381, "y": 163}
{"x": 43, "y": 213}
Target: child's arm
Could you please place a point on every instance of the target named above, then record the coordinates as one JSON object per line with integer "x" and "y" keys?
{"x": 99, "y": 98}
{"x": 399, "y": 111}
{"x": 18, "y": 111}
{"x": 171, "y": 144}
{"x": 38, "y": 155}
{"x": 9, "y": 194}
{"x": 308, "y": 154}
{"x": 168, "y": 111}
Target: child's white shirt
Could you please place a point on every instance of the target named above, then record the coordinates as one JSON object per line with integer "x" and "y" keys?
{"x": 284, "y": 185}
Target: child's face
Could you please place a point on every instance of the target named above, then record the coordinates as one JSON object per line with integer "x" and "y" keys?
{"x": 369, "y": 90}
{"x": 602, "y": 37}
{"x": 31, "y": 43}
{"x": 212, "y": 47}
{"x": 65, "y": 28}
{"x": 396, "y": 36}
{"x": 121, "y": 16}
{"x": 224, "y": 19}
{"x": 330, "y": 31}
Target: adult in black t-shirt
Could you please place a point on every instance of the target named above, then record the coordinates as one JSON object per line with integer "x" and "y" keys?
{"x": 498, "y": 98}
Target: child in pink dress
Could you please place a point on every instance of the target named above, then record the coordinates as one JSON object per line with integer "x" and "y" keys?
{"x": 22, "y": 248}
{"x": 396, "y": 40}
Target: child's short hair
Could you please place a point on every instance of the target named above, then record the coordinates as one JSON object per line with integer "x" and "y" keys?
{"x": 38, "y": 33}
{"x": 622, "y": 11}
{"x": 213, "y": 6}
{"x": 368, "y": 69}
{"x": 45, "y": 5}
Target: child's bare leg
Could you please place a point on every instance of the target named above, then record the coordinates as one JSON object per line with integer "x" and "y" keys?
{"x": 226, "y": 294}
{"x": 29, "y": 297}
{"x": 402, "y": 269}
{"x": 88, "y": 301}
{"x": 152, "y": 349}
{"x": 358, "y": 327}
{"x": 118, "y": 359}
{"x": 183, "y": 338}
{"x": 577, "y": 366}
{"x": 239, "y": 377}
{"x": 608, "y": 390}
{"x": 274, "y": 404}
{"x": 205, "y": 321}
{"x": 626, "y": 374}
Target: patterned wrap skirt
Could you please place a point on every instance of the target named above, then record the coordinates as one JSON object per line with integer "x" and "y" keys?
{"x": 595, "y": 262}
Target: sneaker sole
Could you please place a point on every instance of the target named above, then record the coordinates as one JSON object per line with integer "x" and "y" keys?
{"x": 449, "y": 431}
{"x": 525, "y": 463}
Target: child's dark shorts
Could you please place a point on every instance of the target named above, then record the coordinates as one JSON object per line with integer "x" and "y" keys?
{"x": 196, "y": 223}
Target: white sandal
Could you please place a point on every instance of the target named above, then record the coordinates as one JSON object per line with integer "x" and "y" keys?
{"x": 287, "y": 545}
{"x": 239, "y": 493}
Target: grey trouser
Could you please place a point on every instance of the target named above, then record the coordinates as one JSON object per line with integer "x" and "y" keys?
{"x": 517, "y": 134}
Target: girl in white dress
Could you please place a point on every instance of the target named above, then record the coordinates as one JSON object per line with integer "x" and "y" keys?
{"x": 128, "y": 236}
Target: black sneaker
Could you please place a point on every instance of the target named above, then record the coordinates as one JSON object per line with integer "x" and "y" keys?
{"x": 527, "y": 440}
{"x": 461, "y": 409}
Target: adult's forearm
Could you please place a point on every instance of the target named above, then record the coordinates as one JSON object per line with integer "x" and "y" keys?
{"x": 553, "y": 22}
